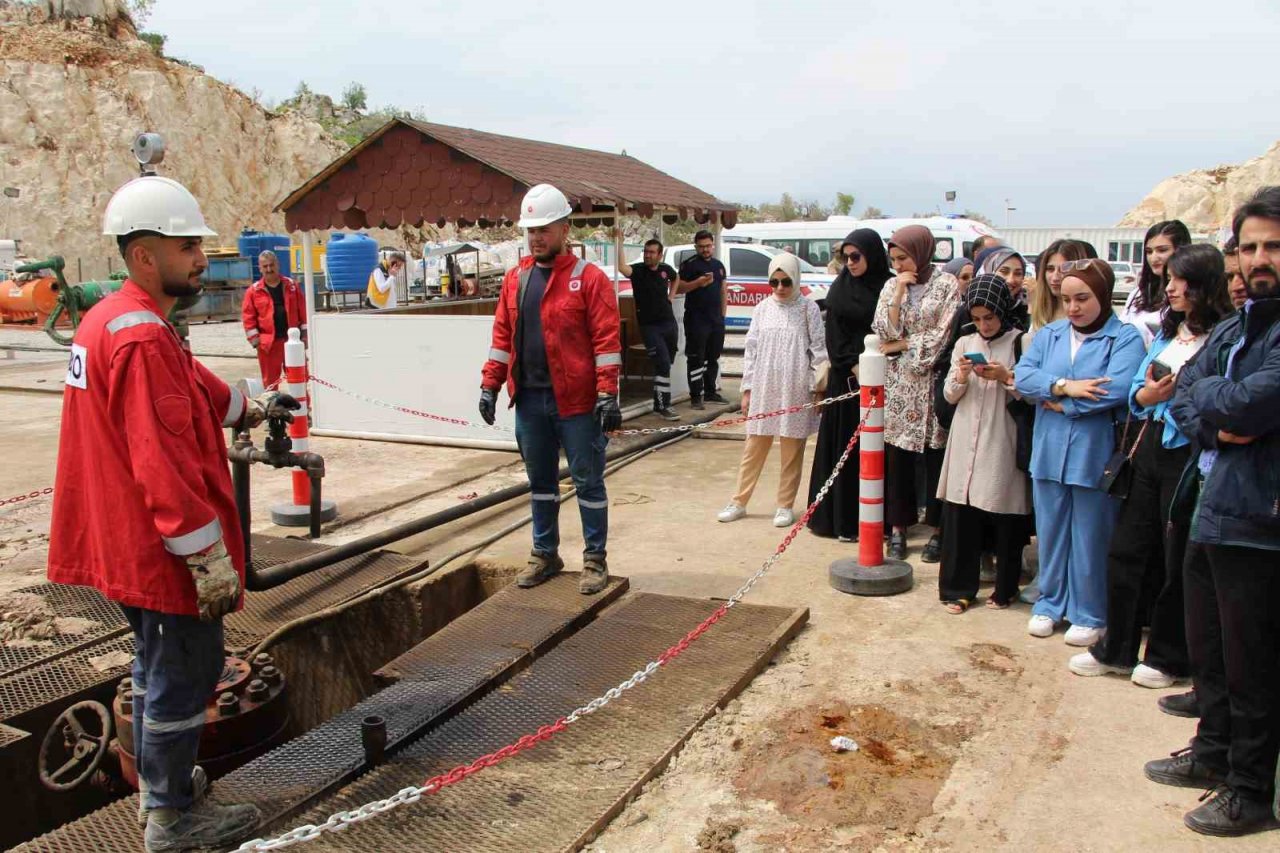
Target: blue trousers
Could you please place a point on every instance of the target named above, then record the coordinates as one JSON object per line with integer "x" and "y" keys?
{"x": 540, "y": 434}
{"x": 1073, "y": 527}
{"x": 178, "y": 663}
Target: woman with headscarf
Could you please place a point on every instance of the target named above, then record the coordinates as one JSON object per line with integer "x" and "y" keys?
{"x": 980, "y": 483}
{"x": 1046, "y": 302}
{"x": 851, "y": 305}
{"x": 1078, "y": 370}
{"x": 785, "y": 347}
{"x": 912, "y": 319}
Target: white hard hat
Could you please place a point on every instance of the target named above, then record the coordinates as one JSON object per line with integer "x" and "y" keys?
{"x": 543, "y": 205}
{"x": 153, "y": 203}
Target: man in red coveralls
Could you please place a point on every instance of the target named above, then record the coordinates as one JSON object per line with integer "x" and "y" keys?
{"x": 273, "y": 305}
{"x": 143, "y": 505}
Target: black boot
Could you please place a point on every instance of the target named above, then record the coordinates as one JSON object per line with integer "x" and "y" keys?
{"x": 1225, "y": 812}
{"x": 932, "y": 552}
{"x": 897, "y": 546}
{"x": 1180, "y": 704}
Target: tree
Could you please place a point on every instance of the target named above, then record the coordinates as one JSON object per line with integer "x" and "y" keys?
{"x": 140, "y": 11}
{"x": 844, "y": 204}
{"x": 302, "y": 91}
{"x": 355, "y": 97}
{"x": 978, "y": 217}
{"x": 872, "y": 213}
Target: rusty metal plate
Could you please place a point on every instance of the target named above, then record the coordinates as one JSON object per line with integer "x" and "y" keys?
{"x": 510, "y": 628}
{"x": 9, "y": 736}
{"x": 561, "y": 793}
{"x": 56, "y": 681}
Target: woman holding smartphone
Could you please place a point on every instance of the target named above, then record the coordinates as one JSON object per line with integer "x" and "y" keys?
{"x": 1078, "y": 370}
{"x": 1196, "y": 298}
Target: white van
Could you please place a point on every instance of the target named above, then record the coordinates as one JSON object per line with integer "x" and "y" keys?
{"x": 817, "y": 242}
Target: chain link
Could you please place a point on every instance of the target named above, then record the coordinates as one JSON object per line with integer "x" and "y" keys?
{"x": 29, "y": 496}
{"x": 339, "y": 821}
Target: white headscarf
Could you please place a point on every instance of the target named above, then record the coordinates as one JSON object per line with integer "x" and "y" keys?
{"x": 789, "y": 264}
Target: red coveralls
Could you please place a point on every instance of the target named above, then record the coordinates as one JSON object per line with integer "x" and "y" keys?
{"x": 258, "y": 316}
{"x": 142, "y": 478}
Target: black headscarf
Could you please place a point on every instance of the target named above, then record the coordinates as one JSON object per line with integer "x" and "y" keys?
{"x": 851, "y": 301}
{"x": 990, "y": 291}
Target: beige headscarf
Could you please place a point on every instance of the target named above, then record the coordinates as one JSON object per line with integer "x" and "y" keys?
{"x": 790, "y": 265}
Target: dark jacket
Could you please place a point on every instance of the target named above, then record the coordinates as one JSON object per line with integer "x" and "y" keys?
{"x": 1240, "y": 498}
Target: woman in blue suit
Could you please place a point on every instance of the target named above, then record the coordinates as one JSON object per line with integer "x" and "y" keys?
{"x": 1079, "y": 370}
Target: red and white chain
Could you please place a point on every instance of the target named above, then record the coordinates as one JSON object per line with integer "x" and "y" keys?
{"x": 340, "y": 821}
{"x": 29, "y": 496}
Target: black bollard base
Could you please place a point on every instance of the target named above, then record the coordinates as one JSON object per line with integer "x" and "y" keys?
{"x": 894, "y": 577}
{"x": 291, "y": 515}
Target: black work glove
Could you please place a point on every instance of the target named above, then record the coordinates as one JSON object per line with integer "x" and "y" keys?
{"x": 270, "y": 404}
{"x": 608, "y": 415}
{"x": 488, "y": 404}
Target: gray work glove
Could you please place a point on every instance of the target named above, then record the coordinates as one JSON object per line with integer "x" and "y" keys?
{"x": 488, "y": 405}
{"x": 217, "y": 583}
{"x": 269, "y": 404}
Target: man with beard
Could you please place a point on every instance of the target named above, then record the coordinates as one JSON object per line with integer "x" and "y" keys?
{"x": 143, "y": 508}
{"x": 653, "y": 285}
{"x": 1228, "y": 401}
{"x": 556, "y": 348}
{"x": 702, "y": 277}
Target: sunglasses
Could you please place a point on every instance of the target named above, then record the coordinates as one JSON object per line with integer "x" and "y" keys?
{"x": 780, "y": 282}
{"x": 1082, "y": 264}
{"x": 852, "y": 257}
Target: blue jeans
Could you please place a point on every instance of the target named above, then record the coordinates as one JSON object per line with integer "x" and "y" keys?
{"x": 540, "y": 433}
{"x": 177, "y": 666}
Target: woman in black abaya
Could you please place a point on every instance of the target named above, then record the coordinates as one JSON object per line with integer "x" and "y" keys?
{"x": 851, "y": 304}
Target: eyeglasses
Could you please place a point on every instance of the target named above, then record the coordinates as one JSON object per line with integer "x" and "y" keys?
{"x": 852, "y": 257}
{"x": 780, "y": 282}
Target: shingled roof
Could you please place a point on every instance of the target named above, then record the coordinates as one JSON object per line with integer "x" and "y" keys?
{"x": 414, "y": 172}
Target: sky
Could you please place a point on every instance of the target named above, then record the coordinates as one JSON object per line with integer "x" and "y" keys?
{"x": 1068, "y": 112}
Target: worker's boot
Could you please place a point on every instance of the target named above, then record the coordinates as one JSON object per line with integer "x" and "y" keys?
{"x": 539, "y": 569}
{"x": 199, "y": 787}
{"x": 595, "y": 574}
{"x": 203, "y": 825}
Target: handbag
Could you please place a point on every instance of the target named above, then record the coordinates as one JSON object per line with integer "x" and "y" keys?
{"x": 1024, "y": 420}
{"x": 821, "y": 372}
{"x": 1117, "y": 474}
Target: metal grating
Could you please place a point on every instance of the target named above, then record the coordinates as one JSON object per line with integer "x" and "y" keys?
{"x": 95, "y": 617}
{"x": 9, "y": 736}
{"x": 294, "y": 774}
{"x": 561, "y": 793}
{"x": 54, "y": 681}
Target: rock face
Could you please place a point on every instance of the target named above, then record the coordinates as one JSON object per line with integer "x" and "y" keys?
{"x": 1206, "y": 198}
{"x": 73, "y": 95}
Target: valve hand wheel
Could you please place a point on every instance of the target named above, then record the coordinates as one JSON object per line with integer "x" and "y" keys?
{"x": 74, "y": 746}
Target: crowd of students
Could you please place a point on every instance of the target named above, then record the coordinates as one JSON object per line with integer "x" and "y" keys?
{"x": 1136, "y": 451}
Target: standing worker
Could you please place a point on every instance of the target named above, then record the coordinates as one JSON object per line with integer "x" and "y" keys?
{"x": 381, "y": 291}
{"x": 273, "y": 305}
{"x": 555, "y": 346}
{"x": 702, "y": 277}
{"x": 653, "y": 286}
{"x": 143, "y": 507}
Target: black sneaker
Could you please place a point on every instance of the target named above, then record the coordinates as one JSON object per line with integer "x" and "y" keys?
{"x": 666, "y": 414}
{"x": 539, "y": 569}
{"x": 696, "y": 403}
{"x": 897, "y": 546}
{"x": 714, "y": 397}
{"x": 1181, "y": 770}
{"x": 932, "y": 552}
{"x": 1224, "y": 812}
{"x": 1180, "y": 704}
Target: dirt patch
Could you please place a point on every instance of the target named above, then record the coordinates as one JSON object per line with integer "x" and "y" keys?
{"x": 995, "y": 658}
{"x": 890, "y": 781}
{"x": 26, "y": 619}
{"x": 717, "y": 836}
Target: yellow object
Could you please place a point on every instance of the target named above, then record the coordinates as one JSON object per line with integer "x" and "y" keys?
{"x": 373, "y": 294}
{"x": 317, "y": 259}
{"x": 221, "y": 251}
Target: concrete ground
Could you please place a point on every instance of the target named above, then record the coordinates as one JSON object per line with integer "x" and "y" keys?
{"x": 972, "y": 734}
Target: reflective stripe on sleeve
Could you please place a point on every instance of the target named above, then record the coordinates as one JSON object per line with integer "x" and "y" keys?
{"x": 251, "y": 334}
{"x": 235, "y": 408}
{"x": 500, "y": 356}
{"x": 608, "y": 359}
{"x": 195, "y": 541}
{"x": 133, "y": 318}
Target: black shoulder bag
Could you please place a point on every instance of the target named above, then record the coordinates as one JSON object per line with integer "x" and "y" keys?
{"x": 1024, "y": 419}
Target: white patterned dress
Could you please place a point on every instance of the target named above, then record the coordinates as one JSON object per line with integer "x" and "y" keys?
{"x": 785, "y": 343}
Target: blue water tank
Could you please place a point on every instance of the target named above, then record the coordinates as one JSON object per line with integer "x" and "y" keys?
{"x": 251, "y": 243}
{"x": 349, "y": 259}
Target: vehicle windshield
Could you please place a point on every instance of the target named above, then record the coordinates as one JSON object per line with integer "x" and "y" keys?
{"x": 805, "y": 266}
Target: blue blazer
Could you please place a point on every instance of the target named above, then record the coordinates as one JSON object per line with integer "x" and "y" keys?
{"x": 1072, "y": 448}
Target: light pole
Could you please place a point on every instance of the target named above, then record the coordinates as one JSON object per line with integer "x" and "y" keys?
{"x": 1008, "y": 209}
{"x": 951, "y": 200}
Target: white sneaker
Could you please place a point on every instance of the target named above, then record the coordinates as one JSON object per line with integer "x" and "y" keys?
{"x": 1040, "y": 626}
{"x": 1078, "y": 635}
{"x": 784, "y": 517}
{"x": 731, "y": 512}
{"x": 1087, "y": 665}
{"x": 1149, "y": 676}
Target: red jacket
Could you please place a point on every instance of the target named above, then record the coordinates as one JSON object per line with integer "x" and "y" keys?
{"x": 580, "y": 327}
{"x": 142, "y": 466}
{"x": 259, "y": 312}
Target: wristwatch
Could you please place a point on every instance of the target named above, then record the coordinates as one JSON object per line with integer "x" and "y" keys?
{"x": 1060, "y": 387}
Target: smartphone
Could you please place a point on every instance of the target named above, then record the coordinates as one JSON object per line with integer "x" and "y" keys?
{"x": 1159, "y": 370}
{"x": 976, "y": 357}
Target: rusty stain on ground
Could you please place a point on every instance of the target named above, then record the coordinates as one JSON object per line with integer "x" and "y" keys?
{"x": 995, "y": 658}
{"x": 717, "y": 836}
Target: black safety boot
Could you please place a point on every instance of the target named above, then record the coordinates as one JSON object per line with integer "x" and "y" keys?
{"x": 1182, "y": 770}
{"x": 539, "y": 569}
{"x": 714, "y": 397}
{"x": 897, "y": 546}
{"x": 199, "y": 787}
{"x": 1225, "y": 812}
{"x": 932, "y": 552}
{"x": 1180, "y": 704}
{"x": 202, "y": 826}
{"x": 595, "y": 574}
{"x": 696, "y": 403}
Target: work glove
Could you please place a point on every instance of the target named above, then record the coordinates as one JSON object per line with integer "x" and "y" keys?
{"x": 217, "y": 583}
{"x": 608, "y": 415}
{"x": 269, "y": 404}
{"x": 488, "y": 404}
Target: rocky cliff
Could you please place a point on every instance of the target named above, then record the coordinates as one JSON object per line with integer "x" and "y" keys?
{"x": 1205, "y": 199}
{"x": 74, "y": 92}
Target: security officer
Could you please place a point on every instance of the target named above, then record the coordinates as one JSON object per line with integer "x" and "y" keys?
{"x": 702, "y": 278}
{"x": 556, "y": 348}
{"x": 653, "y": 286}
{"x": 143, "y": 507}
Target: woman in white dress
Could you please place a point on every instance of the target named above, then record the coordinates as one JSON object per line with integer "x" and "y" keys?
{"x": 786, "y": 347}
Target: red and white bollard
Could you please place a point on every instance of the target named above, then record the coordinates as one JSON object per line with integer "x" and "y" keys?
{"x": 871, "y": 574}
{"x": 298, "y": 513}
